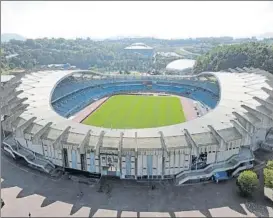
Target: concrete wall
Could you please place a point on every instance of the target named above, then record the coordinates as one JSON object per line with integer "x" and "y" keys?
{"x": 34, "y": 147}
{"x": 22, "y": 142}
{"x": 74, "y": 159}
{"x": 268, "y": 192}
{"x": 91, "y": 162}
{"x": 144, "y": 163}
{"x": 128, "y": 165}
{"x": 259, "y": 135}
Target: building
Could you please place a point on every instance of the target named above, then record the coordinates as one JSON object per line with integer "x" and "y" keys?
{"x": 35, "y": 125}
{"x": 66, "y": 66}
{"x": 140, "y": 48}
{"x": 180, "y": 66}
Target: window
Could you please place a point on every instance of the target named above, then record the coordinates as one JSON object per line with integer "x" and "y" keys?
{"x": 83, "y": 162}
{"x": 65, "y": 157}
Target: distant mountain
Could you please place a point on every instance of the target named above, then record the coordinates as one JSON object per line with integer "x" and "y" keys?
{"x": 5, "y": 37}
{"x": 265, "y": 35}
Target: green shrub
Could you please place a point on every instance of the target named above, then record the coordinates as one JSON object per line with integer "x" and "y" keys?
{"x": 268, "y": 178}
{"x": 247, "y": 182}
{"x": 269, "y": 164}
{"x": 268, "y": 174}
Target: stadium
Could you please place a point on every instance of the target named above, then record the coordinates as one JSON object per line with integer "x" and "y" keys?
{"x": 182, "y": 128}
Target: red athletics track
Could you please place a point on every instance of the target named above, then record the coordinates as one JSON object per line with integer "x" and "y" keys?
{"x": 188, "y": 108}
{"x": 81, "y": 115}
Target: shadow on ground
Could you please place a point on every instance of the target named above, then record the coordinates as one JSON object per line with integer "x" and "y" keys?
{"x": 122, "y": 195}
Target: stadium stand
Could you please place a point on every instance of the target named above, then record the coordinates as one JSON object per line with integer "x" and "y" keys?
{"x": 71, "y": 91}
{"x": 201, "y": 149}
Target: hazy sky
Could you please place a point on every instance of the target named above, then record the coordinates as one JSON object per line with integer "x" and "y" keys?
{"x": 158, "y": 19}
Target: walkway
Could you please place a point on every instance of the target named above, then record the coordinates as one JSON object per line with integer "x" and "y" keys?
{"x": 35, "y": 160}
{"x": 25, "y": 190}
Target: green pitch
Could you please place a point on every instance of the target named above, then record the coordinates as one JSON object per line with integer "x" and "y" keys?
{"x": 136, "y": 111}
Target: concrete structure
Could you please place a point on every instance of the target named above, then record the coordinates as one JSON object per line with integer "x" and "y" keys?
{"x": 140, "y": 48}
{"x": 6, "y": 78}
{"x": 222, "y": 140}
{"x": 268, "y": 192}
{"x": 181, "y": 65}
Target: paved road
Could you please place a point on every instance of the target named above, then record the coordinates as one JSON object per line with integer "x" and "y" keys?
{"x": 25, "y": 190}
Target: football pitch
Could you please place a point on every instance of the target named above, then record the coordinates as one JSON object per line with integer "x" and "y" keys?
{"x": 137, "y": 111}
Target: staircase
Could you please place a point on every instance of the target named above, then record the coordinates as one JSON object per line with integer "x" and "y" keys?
{"x": 267, "y": 147}
{"x": 233, "y": 162}
{"x": 48, "y": 168}
{"x": 268, "y": 143}
{"x": 35, "y": 160}
{"x": 239, "y": 169}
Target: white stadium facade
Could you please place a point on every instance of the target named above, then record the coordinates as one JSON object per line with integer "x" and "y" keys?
{"x": 38, "y": 128}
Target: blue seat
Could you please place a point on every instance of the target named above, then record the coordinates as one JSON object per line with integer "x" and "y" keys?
{"x": 72, "y": 95}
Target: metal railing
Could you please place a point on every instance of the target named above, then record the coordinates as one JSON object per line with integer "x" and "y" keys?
{"x": 27, "y": 159}
{"x": 242, "y": 168}
{"x": 208, "y": 171}
{"x": 207, "y": 167}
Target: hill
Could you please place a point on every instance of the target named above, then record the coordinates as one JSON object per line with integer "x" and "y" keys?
{"x": 6, "y": 37}
{"x": 252, "y": 54}
{"x": 105, "y": 55}
{"x": 265, "y": 35}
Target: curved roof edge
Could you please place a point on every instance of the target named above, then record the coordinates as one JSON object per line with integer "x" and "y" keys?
{"x": 246, "y": 100}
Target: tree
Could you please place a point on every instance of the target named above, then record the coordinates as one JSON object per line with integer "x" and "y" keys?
{"x": 247, "y": 182}
{"x": 250, "y": 54}
{"x": 268, "y": 174}
{"x": 11, "y": 65}
{"x": 110, "y": 54}
{"x": 29, "y": 65}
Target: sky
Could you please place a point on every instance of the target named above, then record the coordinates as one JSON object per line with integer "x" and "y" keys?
{"x": 164, "y": 19}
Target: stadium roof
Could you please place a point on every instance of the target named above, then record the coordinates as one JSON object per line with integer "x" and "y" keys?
{"x": 5, "y": 78}
{"x": 139, "y": 46}
{"x": 245, "y": 94}
{"x": 180, "y": 64}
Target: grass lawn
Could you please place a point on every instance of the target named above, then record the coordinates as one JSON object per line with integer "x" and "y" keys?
{"x": 136, "y": 111}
